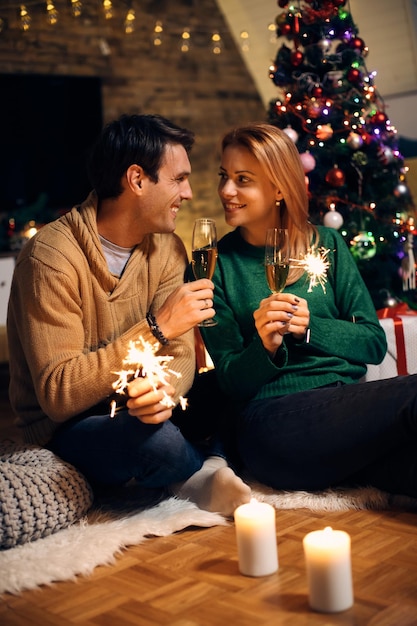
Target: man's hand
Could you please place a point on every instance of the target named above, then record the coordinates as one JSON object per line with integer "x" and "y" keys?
{"x": 185, "y": 307}
{"x": 146, "y": 404}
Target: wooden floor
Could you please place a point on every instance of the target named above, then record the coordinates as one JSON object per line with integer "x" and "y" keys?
{"x": 192, "y": 578}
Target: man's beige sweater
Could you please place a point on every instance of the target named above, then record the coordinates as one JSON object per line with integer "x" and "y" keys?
{"x": 70, "y": 320}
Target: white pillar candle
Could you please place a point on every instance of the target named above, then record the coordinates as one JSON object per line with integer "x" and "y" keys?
{"x": 256, "y": 539}
{"x": 329, "y": 570}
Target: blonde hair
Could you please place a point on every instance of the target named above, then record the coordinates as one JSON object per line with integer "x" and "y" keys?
{"x": 279, "y": 157}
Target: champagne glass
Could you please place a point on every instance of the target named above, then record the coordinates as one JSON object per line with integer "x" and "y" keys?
{"x": 204, "y": 253}
{"x": 277, "y": 258}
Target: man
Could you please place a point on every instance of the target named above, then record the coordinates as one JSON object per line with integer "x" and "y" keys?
{"x": 107, "y": 273}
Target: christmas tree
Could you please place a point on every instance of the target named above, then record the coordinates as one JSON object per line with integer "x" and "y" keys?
{"x": 329, "y": 105}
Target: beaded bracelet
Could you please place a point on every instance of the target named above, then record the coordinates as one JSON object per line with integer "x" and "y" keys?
{"x": 155, "y": 330}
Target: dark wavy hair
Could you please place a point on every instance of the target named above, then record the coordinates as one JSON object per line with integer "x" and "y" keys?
{"x": 132, "y": 139}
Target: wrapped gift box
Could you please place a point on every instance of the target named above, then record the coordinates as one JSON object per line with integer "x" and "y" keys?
{"x": 400, "y": 326}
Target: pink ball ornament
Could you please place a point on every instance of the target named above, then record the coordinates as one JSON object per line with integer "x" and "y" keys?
{"x": 333, "y": 219}
{"x": 292, "y": 134}
{"x": 308, "y": 162}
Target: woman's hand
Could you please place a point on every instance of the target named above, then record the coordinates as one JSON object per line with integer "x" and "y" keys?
{"x": 185, "y": 307}
{"x": 146, "y": 404}
{"x": 278, "y": 315}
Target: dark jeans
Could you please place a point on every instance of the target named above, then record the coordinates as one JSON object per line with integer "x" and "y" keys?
{"x": 112, "y": 451}
{"x": 353, "y": 434}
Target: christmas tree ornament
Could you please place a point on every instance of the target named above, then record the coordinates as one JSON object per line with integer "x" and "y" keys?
{"x": 363, "y": 246}
{"x": 367, "y": 138}
{"x": 400, "y": 190}
{"x": 354, "y": 141}
{"x": 282, "y": 3}
{"x": 335, "y": 177}
{"x": 308, "y": 162}
{"x": 360, "y": 159}
{"x": 385, "y": 154}
{"x": 284, "y": 29}
{"x": 333, "y": 219}
{"x": 379, "y": 119}
{"x": 324, "y": 132}
{"x": 292, "y": 134}
{"x": 281, "y": 19}
{"x": 354, "y": 76}
{"x": 408, "y": 265}
{"x": 297, "y": 57}
{"x": 317, "y": 91}
{"x": 357, "y": 44}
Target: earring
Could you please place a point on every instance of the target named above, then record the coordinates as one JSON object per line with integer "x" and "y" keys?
{"x": 277, "y": 203}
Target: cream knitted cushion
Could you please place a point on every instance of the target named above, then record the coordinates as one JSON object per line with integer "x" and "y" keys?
{"x": 39, "y": 494}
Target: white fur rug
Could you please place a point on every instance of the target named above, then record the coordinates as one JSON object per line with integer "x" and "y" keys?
{"x": 79, "y": 549}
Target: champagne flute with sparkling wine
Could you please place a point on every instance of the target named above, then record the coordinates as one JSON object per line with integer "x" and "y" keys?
{"x": 204, "y": 253}
{"x": 277, "y": 258}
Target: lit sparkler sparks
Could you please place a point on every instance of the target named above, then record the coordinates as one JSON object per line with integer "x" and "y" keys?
{"x": 142, "y": 361}
{"x": 316, "y": 264}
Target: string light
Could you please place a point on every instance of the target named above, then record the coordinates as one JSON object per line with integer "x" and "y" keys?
{"x": 185, "y": 40}
{"x": 272, "y": 28}
{"x": 51, "y": 13}
{"x": 216, "y": 41}
{"x": 244, "y": 36}
{"x": 108, "y": 9}
{"x": 76, "y": 8}
{"x": 130, "y": 21}
{"x": 157, "y": 34}
{"x": 25, "y": 18}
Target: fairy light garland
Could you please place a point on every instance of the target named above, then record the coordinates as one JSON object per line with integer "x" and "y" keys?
{"x": 53, "y": 9}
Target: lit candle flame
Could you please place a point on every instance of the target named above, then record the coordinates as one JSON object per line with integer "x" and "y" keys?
{"x": 142, "y": 361}
{"x": 316, "y": 264}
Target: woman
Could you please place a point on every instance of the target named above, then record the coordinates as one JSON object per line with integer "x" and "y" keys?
{"x": 291, "y": 361}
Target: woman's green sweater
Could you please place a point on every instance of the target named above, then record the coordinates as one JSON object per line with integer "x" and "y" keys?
{"x": 345, "y": 332}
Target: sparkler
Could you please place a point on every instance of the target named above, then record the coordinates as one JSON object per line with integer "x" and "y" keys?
{"x": 141, "y": 361}
{"x": 315, "y": 264}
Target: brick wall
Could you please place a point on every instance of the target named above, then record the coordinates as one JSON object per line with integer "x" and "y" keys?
{"x": 205, "y": 92}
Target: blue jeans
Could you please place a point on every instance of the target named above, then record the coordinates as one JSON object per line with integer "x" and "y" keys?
{"x": 353, "y": 434}
{"x": 110, "y": 451}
